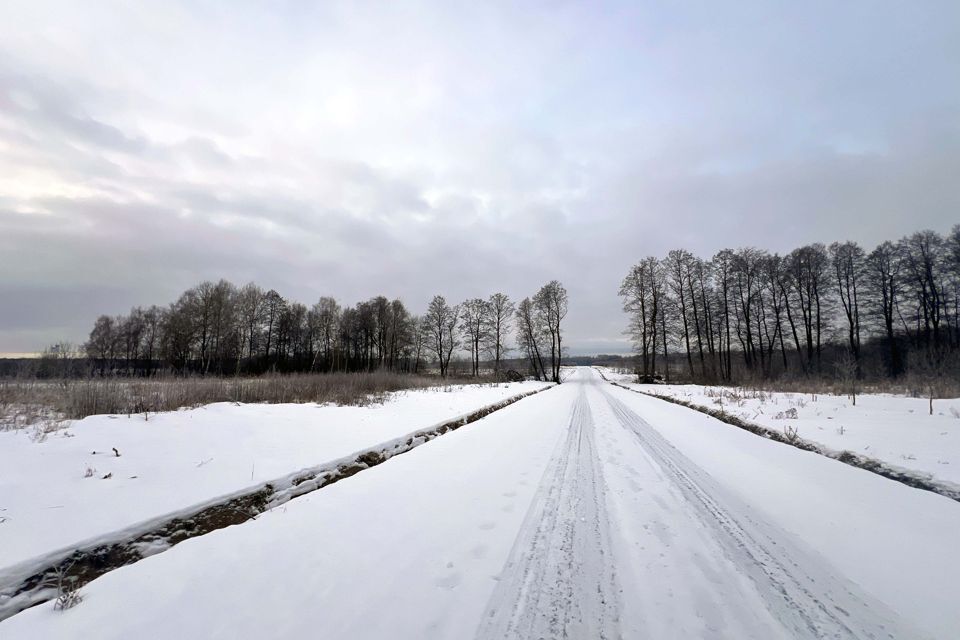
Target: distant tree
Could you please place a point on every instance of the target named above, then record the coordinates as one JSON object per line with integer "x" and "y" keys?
{"x": 442, "y": 320}
{"x": 642, "y": 291}
{"x": 251, "y": 311}
{"x": 551, "y": 304}
{"x": 153, "y": 319}
{"x": 530, "y": 334}
{"x": 273, "y": 307}
{"x": 326, "y": 313}
{"x": 421, "y": 331}
{"x": 474, "y": 322}
{"x": 847, "y": 260}
{"x": 678, "y": 265}
{"x": 808, "y": 269}
{"x": 771, "y": 278}
{"x": 178, "y": 336}
{"x": 101, "y": 346}
{"x": 399, "y": 334}
{"x": 722, "y": 264}
{"x": 501, "y": 311}
{"x": 922, "y": 255}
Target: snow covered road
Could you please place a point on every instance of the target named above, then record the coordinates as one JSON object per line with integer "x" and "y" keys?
{"x": 735, "y": 575}
{"x": 586, "y": 511}
{"x": 560, "y": 580}
{"x": 696, "y": 561}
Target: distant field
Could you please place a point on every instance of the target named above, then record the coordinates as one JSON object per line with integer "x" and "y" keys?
{"x": 43, "y": 405}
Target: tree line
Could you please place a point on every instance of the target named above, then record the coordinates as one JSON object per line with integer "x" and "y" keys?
{"x": 837, "y": 310}
{"x": 216, "y": 328}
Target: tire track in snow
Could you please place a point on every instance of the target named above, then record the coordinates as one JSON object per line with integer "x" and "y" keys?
{"x": 560, "y": 579}
{"x": 798, "y": 589}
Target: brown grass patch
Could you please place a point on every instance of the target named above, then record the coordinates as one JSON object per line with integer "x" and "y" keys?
{"x": 45, "y": 405}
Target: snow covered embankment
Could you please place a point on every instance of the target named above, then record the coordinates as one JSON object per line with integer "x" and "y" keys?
{"x": 881, "y": 431}
{"x": 28, "y": 583}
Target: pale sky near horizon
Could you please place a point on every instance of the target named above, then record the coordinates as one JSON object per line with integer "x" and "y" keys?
{"x": 413, "y": 148}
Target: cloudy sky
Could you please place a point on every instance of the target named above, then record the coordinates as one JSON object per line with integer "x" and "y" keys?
{"x": 414, "y": 148}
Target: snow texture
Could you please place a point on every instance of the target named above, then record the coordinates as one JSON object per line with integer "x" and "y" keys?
{"x": 584, "y": 511}
{"x": 172, "y": 463}
{"x": 896, "y": 430}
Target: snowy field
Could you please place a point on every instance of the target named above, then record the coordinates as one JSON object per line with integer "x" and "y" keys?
{"x": 894, "y": 429}
{"x": 73, "y": 488}
{"x": 586, "y": 511}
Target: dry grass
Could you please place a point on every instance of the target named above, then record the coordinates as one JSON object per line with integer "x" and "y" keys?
{"x": 45, "y": 405}
{"x": 911, "y": 385}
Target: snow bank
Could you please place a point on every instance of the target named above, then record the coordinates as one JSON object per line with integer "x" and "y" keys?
{"x": 409, "y": 549}
{"x": 896, "y": 430}
{"x": 174, "y": 461}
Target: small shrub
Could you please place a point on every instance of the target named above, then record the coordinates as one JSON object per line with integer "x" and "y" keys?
{"x": 67, "y": 586}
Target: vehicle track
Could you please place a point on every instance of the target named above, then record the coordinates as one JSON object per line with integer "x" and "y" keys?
{"x": 560, "y": 580}
{"x": 798, "y": 588}
{"x": 602, "y": 555}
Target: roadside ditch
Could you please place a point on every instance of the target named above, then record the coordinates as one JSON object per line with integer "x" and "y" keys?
{"x": 47, "y": 578}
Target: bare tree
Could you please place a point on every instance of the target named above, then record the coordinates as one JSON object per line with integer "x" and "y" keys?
{"x": 501, "y": 311}
{"x": 251, "y": 310}
{"x": 421, "y": 335}
{"x": 678, "y": 265}
{"x": 474, "y": 322}
{"x": 642, "y": 291}
{"x": 530, "y": 332}
{"x": 847, "y": 259}
{"x": 101, "y": 346}
{"x": 273, "y": 307}
{"x": 808, "y": 268}
{"x": 722, "y": 273}
{"x": 551, "y": 304}
{"x": 442, "y": 320}
{"x": 922, "y": 255}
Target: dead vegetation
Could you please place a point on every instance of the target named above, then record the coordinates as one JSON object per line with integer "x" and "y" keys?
{"x": 44, "y": 406}
{"x": 910, "y": 385}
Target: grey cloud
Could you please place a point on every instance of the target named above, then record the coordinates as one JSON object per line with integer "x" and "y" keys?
{"x": 546, "y": 144}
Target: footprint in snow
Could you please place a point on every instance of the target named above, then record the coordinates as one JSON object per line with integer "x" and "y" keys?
{"x": 450, "y": 581}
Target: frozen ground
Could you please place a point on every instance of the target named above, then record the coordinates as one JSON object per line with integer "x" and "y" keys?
{"x": 587, "y": 511}
{"x": 50, "y": 501}
{"x": 895, "y": 429}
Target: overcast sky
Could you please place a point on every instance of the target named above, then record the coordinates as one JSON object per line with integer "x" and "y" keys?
{"x": 415, "y": 148}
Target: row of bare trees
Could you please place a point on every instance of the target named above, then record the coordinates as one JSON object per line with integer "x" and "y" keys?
{"x": 539, "y": 333}
{"x": 217, "y": 328}
{"x": 753, "y": 314}
{"x": 482, "y": 328}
